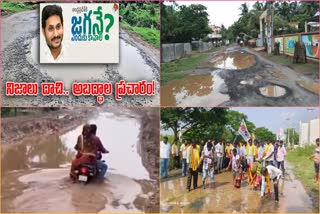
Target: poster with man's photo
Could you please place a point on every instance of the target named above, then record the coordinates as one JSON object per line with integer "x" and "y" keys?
{"x": 79, "y": 33}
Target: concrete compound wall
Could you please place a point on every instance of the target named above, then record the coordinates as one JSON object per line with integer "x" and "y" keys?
{"x": 170, "y": 52}
{"x": 205, "y": 46}
{"x": 175, "y": 51}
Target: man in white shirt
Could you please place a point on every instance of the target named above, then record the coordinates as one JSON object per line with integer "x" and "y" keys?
{"x": 52, "y": 30}
{"x": 219, "y": 153}
{"x": 270, "y": 173}
{"x": 183, "y": 155}
{"x": 250, "y": 152}
{"x": 164, "y": 157}
{"x": 269, "y": 150}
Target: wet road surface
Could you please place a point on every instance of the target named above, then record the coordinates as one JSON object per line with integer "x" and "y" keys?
{"x": 20, "y": 46}
{"x": 237, "y": 76}
{"x": 200, "y": 90}
{"x": 35, "y": 172}
{"x": 226, "y": 198}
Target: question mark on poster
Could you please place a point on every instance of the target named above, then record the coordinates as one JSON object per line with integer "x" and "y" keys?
{"x": 110, "y": 17}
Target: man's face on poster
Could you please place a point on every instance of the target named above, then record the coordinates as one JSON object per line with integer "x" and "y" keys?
{"x": 53, "y": 32}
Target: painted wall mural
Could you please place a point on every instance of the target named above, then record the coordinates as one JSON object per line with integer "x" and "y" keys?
{"x": 312, "y": 45}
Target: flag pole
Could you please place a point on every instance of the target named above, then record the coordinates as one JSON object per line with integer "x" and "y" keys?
{"x": 234, "y": 139}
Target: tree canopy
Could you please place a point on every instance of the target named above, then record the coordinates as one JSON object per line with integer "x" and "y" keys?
{"x": 204, "y": 123}
{"x": 283, "y": 13}
{"x": 183, "y": 23}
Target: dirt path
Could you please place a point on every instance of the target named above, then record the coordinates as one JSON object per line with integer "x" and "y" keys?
{"x": 240, "y": 77}
{"x": 37, "y": 164}
{"x": 225, "y": 198}
{"x": 20, "y": 46}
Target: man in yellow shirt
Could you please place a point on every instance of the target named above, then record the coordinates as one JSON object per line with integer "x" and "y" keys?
{"x": 175, "y": 154}
{"x": 193, "y": 162}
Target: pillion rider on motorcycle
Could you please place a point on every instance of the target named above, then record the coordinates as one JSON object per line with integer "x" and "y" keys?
{"x": 88, "y": 145}
{"x": 100, "y": 149}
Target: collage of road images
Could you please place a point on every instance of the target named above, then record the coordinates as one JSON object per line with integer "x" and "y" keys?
{"x": 159, "y": 106}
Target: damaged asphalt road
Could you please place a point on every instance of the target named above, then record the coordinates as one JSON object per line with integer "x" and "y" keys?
{"x": 20, "y": 64}
{"x": 237, "y": 76}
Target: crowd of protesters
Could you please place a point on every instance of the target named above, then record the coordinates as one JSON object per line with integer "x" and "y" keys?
{"x": 261, "y": 161}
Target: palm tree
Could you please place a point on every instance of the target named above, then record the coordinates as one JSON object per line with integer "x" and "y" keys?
{"x": 309, "y": 8}
{"x": 258, "y": 6}
{"x": 244, "y": 9}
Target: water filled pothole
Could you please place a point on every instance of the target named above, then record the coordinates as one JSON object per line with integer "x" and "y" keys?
{"x": 234, "y": 61}
{"x": 272, "y": 91}
{"x": 246, "y": 82}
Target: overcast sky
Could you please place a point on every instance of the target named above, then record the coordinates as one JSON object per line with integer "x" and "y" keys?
{"x": 220, "y": 12}
{"x": 274, "y": 118}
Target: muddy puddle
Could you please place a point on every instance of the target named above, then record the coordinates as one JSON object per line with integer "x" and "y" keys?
{"x": 235, "y": 60}
{"x": 198, "y": 90}
{"x": 132, "y": 66}
{"x": 225, "y": 198}
{"x": 272, "y": 91}
{"x": 39, "y": 167}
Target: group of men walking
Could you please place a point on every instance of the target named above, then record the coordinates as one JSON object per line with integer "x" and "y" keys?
{"x": 261, "y": 160}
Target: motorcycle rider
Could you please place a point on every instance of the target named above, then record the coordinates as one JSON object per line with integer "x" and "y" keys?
{"x": 86, "y": 147}
{"x": 99, "y": 149}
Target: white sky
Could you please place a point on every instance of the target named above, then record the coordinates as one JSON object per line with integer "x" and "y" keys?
{"x": 220, "y": 12}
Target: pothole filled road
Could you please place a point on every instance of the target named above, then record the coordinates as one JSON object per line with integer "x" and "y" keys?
{"x": 240, "y": 77}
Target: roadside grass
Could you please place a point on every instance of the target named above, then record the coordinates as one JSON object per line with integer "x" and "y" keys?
{"x": 174, "y": 70}
{"x": 310, "y": 67}
{"x": 13, "y": 7}
{"x": 303, "y": 168}
{"x": 149, "y": 35}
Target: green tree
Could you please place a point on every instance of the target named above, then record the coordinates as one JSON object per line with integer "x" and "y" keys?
{"x": 234, "y": 119}
{"x": 184, "y": 23}
{"x": 264, "y": 134}
{"x": 244, "y": 8}
{"x": 309, "y": 8}
{"x": 195, "y": 123}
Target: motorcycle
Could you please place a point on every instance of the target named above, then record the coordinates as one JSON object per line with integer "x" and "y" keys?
{"x": 87, "y": 172}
